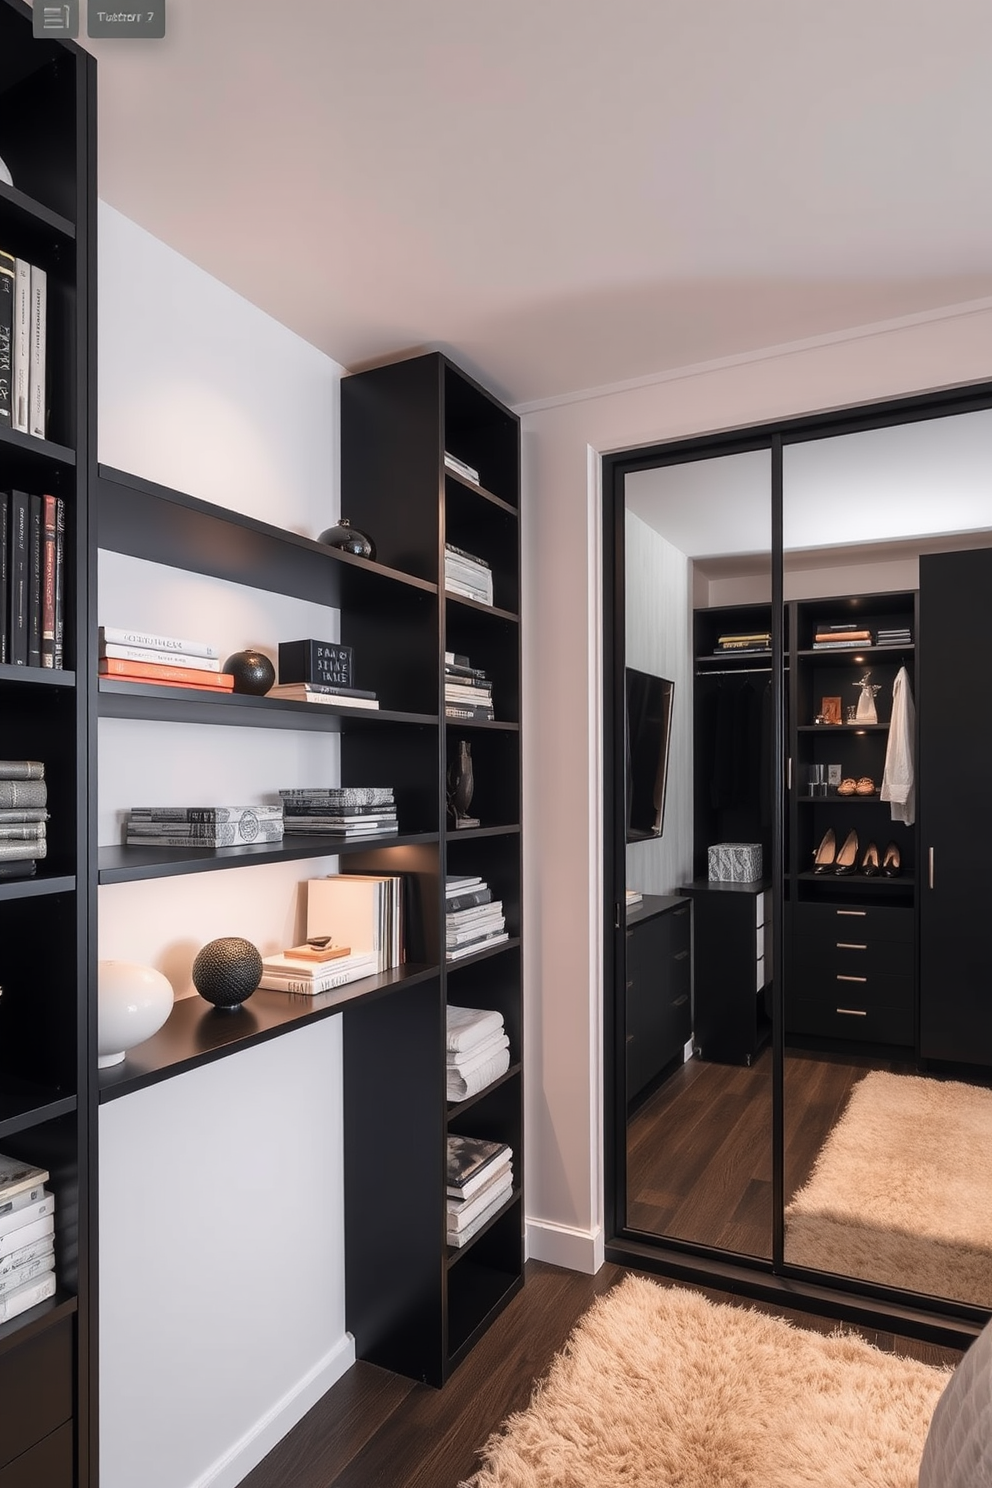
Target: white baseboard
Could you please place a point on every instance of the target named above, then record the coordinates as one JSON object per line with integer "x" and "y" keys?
{"x": 235, "y": 1464}
{"x": 561, "y": 1245}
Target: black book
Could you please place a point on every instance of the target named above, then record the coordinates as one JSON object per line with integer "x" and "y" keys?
{"x": 7, "y": 262}
{"x": 466, "y": 679}
{"x": 481, "y": 712}
{"x": 34, "y": 581}
{"x": 468, "y": 1157}
{"x": 468, "y": 899}
{"x": 17, "y": 578}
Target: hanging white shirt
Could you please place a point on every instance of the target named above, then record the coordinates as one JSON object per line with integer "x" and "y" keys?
{"x": 899, "y": 775}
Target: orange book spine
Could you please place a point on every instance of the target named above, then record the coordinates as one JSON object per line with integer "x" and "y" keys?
{"x": 150, "y": 671}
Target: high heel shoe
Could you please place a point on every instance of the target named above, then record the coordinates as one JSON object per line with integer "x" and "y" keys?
{"x": 891, "y": 862}
{"x": 823, "y": 857}
{"x": 869, "y": 863}
{"x": 847, "y": 858}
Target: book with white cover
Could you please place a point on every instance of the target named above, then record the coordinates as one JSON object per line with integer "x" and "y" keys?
{"x": 27, "y": 1272}
{"x": 302, "y": 986}
{"x": 17, "y": 1175}
{"x": 8, "y": 1205}
{"x": 462, "y": 1213}
{"x": 458, "y": 952}
{"x": 26, "y": 1235}
{"x": 27, "y": 1295}
{"x": 15, "y": 1259}
{"x": 454, "y": 886}
{"x": 120, "y": 636}
{"x": 21, "y": 349}
{"x": 163, "y": 658}
{"x": 37, "y": 401}
{"x": 19, "y": 1218}
{"x": 294, "y": 966}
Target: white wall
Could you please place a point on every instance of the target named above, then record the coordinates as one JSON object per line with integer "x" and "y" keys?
{"x": 562, "y": 786}
{"x": 221, "y": 1246}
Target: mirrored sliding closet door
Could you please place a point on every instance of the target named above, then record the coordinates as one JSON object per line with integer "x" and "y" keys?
{"x": 697, "y": 698}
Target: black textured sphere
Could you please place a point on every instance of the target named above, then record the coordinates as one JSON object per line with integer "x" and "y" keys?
{"x": 252, "y": 671}
{"x": 227, "y": 971}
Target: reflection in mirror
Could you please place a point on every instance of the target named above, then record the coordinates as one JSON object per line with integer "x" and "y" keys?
{"x": 888, "y": 1017}
{"x": 698, "y": 1057}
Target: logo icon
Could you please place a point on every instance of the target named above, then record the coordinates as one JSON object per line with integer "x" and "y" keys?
{"x": 56, "y": 20}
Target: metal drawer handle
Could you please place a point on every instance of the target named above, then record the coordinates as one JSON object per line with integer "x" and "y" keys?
{"x": 680, "y": 955}
{"x": 859, "y": 912}
{"x": 850, "y": 978}
{"x": 680, "y": 1000}
{"x": 854, "y": 1012}
{"x": 850, "y": 945}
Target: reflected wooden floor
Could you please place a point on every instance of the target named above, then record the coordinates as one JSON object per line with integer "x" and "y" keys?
{"x": 699, "y": 1150}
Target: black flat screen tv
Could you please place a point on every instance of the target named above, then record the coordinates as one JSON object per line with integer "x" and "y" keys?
{"x": 648, "y": 729}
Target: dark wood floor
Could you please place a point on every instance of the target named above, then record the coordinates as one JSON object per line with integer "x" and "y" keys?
{"x": 376, "y": 1430}
{"x": 699, "y": 1150}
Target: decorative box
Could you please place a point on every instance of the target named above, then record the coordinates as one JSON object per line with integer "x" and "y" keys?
{"x": 316, "y": 661}
{"x": 734, "y": 862}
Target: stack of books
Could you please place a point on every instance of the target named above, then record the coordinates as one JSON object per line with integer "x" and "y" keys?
{"x": 203, "y": 826}
{"x": 894, "y": 635}
{"x": 307, "y": 970}
{"x": 345, "y": 812}
{"x": 478, "y": 1050}
{"x": 32, "y": 537}
{"x": 748, "y": 640}
{"x": 840, "y": 637}
{"x": 169, "y": 661}
{"x": 468, "y": 692}
{"x": 467, "y": 575}
{"x": 23, "y": 815}
{"x": 479, "y": 1182}
{"x": 363, "y": 910}
{"x": 468, "y": 472}
{"x": 473, "y": 919}
{"x": 27, "y": 1237}
{"x": 633, "y": 897}
{"x": 24, "y": 335}
{"x": 323, "y": 692}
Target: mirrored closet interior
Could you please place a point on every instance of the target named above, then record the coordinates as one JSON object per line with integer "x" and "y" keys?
{"x": 802, "y": 823}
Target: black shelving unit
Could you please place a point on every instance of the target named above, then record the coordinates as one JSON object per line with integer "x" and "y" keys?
{"x": 414, "y": 1304}
{"x": 47, "y": 1042}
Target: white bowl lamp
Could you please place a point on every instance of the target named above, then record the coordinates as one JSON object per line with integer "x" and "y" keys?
{"x": 133, "y": 1001}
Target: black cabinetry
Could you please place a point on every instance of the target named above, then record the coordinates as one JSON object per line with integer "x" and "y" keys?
{"x": 852, "y": 972}
{"x": 659, "y": 987}
{"x": 731, "y": 960}
{"x": 956, "y": 807}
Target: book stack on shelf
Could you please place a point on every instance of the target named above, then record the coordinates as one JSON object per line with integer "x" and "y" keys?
{"x": 460, "y": 467}
{"x": 841, "y": 637}
{"x": 893, "y": 635}
{"x": 467, "y": 575}
{"x": 347, "y": 813}
{"x": 23, "y": 817}
{"x": 479, "y": 1182}
{"x": 319, "y": 672}
{"x": 27, "y": 1237}
{"x": 473, "y": 919}
{"x": 24, "y": 332}
{"x": 168, "y": 661}
{"x": 743, "y": 642}
{"x": 203, "y": 826}
{"x": 32, "y": 539}
{"x": 468, "y": 692}
{"x": 361, "y": 910}
{"x": 318, "y": 966}
{"x": 478, "y": 1050}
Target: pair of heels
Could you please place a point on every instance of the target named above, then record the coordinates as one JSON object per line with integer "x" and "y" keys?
{"x": 827, "y": 859}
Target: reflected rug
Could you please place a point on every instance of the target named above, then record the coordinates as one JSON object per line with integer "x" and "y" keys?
{"x": 901, "y": 1192}
{"x": 659, "y": 1388}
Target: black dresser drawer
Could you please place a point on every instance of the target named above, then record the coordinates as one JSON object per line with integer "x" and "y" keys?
{"x": 854, "y": 956}
{"x": 878, "y": 989}
{"x": 48, "y": 1464}
{"x": 35, "y": 1392}
{"x": 850, "y": 1018}
{"x": 818, "y": 925}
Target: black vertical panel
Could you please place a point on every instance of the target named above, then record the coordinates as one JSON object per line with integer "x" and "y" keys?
{"x": 955, "y": 800}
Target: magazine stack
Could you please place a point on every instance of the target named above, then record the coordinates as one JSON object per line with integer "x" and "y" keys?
{"x": 473, "y": 919}
{"x": 468, "y": 692}
{"x": 23, "y": 815}
{"x": 466, "y": 575}
{"x": 478, "y": 1050}
{"x": 203, "y": 826}
{"x": 27, "y": 1237}
{"x": 346, "y": 812}
{"x": 479, "y": 1182}
{"x": 316, "y": 967}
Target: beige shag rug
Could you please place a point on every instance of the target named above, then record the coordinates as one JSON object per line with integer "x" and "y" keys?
{"x": 901, "y": 1192}
{"x": 659, "y": 1388}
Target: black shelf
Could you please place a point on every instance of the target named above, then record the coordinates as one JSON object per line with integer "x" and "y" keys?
{"x": 32, "y": 888}
{"x": 458, "y": 1253}
{"x": 838, "y": 730}
{"x": 44, "y": 1315}
{"x": 854, "y": 653}
{"x": 477, "y": 490}
{"x": 32, "y": 676}
{"x": 836, "y": 800}
{"x": 186, "y": 705}
{"x": 23, "y": 1105}
{"x": 456, "y": 1108}
{"x": 45, "y": 451}
{"x": 477, "y": 608}
{"x": 19, "y": 210}
{"x": 483, "y": 955}
{"x": 869, "y": 884}
{"x": 466, "y": 834}
{"x": 130, "y": 864}
{"x": 196, "y": 1033}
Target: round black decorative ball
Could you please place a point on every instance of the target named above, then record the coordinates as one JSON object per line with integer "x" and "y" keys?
{"x": 227, "y": 971}
{"x": 348, "y": 539}
{"x": 252, "y": 671}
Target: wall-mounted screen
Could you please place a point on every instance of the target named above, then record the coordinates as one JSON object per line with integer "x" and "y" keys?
{"x": 649, "y": 726}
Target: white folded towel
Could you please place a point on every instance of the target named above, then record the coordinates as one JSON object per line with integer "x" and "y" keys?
{"x": 462, "y": 1083}
{"x": 479, "y": 1053}
{"x": 467, "y": 1026}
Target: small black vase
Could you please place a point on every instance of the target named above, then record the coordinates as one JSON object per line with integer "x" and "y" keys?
{"x": 252, "y": 671}
{"x": 227, "y": 971}
{"x": 348, "y": 539}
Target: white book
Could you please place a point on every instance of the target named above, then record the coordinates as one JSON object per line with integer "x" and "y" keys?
{"x": 27, "y": 1272}
{"x": 16, "y": 1176}
{"x": 457, "y": 952}
{"x": 27, "y": 1235}
{"x": 28, "y": 1295}
{"x": 357, "y": 909}
{"x": 474, "y": 931}
{"x": 313, "y": 987}
{"x": 299, "y": 692}
{"x": 462, "y": 1237}
{"x": 455, "y": 886}
{"x": 145, "y": 640}
{"x": 19, "y": 1218}
{"x": 461, "y": 1212}
{"x": 27, "y": 1253}
{"x": 295, "y": 967}
{"x": 464, "y": 592}
{"x": 21, "y": 351}
{"x": 22, "y": 1199}
{"x": 159, "y": 658}
{"x": 37, "y": 401}
{"x": 220, "y": 814}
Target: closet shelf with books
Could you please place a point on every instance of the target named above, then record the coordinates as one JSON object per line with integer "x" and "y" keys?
{"x": 129, "y": 864}
{"x": 184, "y": 705}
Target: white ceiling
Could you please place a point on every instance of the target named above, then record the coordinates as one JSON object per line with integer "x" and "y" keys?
{"x": 562, "y": 194}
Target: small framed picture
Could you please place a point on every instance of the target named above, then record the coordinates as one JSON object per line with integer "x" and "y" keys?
{"x": 830, "y": 710}
{"x": 834, "y": 774}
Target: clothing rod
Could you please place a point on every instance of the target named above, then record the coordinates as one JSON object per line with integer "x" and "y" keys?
{"x": 732, "y": 671}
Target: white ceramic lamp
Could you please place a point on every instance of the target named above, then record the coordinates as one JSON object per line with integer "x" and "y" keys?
{"x": 133, "y": 1001}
